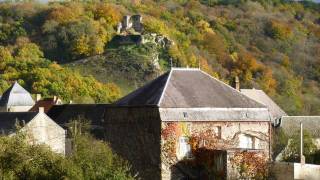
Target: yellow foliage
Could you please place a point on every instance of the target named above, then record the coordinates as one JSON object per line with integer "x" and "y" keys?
{"x": 82, "y": 46}
{"x": 107, "y": 12}
{"x": 184, "y": 130}
{"x": 154, "y": 25}
{"x": 267, "y": 82}
{"x": 5, "y": 54}
{"x": 286, "y": 62}
{"x": 204, "y": 27}
{"x": 192, "y": 61}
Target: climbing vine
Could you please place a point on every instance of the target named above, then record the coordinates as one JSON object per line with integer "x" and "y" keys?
{"x": 250, "y": 165}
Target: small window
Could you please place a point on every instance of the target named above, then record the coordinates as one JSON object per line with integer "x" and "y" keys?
{"x": 219, "y": 132}
{"x": 185, "y": 114}
{"x": 184, "y": 149}
{"x": 246, "y": 141}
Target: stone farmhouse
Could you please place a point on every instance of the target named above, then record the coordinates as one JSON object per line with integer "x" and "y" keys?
{"x": 38, "y": 127}
{"x": 186, "y": 124}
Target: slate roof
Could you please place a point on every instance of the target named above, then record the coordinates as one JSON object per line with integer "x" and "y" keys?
{"x": 65, "y": 113}
{"x": 188, "y": 88}
{"x": 291, "y": 124}
{"x": 16, "y": 95}
{"x": 261, "y": 97}
{"x": 8, "y": 119}
{"x": 45, "y": 103}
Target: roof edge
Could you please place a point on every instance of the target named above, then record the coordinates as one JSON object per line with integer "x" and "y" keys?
{"x": 165, "y": 87}
{"x": 231, "y": 87}
{"x": 184, "y": 69}
{"x": 215, "y": 108}
{"x": 302, "y": 116}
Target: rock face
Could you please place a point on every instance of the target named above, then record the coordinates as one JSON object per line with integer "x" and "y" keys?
{"x": 130, "y": 32}
{"x": 160, "y": 40}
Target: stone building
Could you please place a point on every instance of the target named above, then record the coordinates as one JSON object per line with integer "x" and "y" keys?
{"x": 186, "y": 124}
{"x": 39, "y": 128}
{"x": 260, "y": 96}
{"x": 16, "y": 99}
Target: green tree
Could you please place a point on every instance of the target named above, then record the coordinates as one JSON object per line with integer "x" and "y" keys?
{"x": 18, "y": 160}
{"x": 91, "y": 159}
{"x": 292, "y": 151}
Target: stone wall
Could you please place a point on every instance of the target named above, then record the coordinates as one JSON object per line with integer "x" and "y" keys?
{"x": 43, "y": 130}
{"x": 306, "y": 171}
{"x": 134, "y": 134}
{"x": 211, "y": 136}
{"x": 284, "y": 170}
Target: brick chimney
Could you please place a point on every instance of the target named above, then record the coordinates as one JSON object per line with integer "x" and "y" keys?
{"x": 237, "y": 83}
{"x": 41, "y": 109}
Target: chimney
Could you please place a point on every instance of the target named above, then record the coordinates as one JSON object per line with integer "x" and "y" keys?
{"x": 237, "y": 83}
{"x": 41, "y": 109}
{"x": 38, "y": 97}
{"x": 302, "y": 158}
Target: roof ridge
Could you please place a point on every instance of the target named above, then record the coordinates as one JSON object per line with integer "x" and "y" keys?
{"x": 184, "y": 69}
{"x": 165, "y": 87}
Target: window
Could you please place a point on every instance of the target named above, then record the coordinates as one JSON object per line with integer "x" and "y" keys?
{"x": 185, "y": 114}
{"x": 184, "y": 149}
{"x": 219, "y": 132}
{"x": 246, "y": 141}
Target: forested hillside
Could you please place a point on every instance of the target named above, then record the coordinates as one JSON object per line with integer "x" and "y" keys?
{"x": 65, "y": 49}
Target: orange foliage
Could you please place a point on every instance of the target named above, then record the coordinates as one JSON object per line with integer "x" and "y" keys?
{"x": 63, "y": 14}
{"x": 279, "y": 30}
{"x": 215, "y": 44}
{"x": 250, "y": 165}
{"x": 204, "y": 65}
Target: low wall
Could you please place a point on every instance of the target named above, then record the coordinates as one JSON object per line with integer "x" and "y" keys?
{"x": 283, "y": 170}
{"x": 307, "y": 171}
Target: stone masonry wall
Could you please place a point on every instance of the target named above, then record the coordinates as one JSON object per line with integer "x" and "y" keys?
{"x": 134, "y": 134}
{"x": 44, "y": 130}
{"x": 206, "y": 137}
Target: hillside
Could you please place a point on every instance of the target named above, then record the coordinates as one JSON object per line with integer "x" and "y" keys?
{"x": 128, "y": 66}
{"x": 270, "y": 45}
